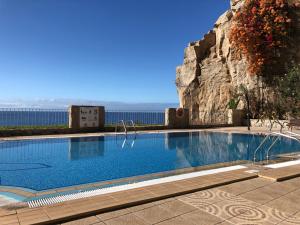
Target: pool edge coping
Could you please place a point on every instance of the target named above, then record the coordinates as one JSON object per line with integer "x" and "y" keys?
{"x": 151, "y": 182}
{"x": 103, "y": 134}
{"x": 216, "y": 180}
{"x": 150, "y": 194}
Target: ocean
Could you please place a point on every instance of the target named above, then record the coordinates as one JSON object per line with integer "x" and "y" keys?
{"x": 59, "y": 117}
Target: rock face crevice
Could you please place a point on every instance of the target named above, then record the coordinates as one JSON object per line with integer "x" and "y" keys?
{"x": 209, "y": 74}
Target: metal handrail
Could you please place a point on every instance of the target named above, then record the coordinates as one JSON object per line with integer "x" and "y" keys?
{"x": 271, "y": 146}
{"x": 274, "y": 141}
{"x": 261, "y": 144}
{"x": 285, "y": 135}
{"x": 125, "y": 123}
{"x": 124, "y": 126}
{"x": 133, "y": 125}
{"x": 293, "y": 134}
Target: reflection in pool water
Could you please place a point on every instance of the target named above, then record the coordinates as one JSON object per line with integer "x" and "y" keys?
{"x": 86, "y": 147}
{"x": 74, "y": 161}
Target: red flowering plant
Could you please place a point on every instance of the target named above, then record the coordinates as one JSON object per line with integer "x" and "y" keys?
{"x": 260, "y": 32}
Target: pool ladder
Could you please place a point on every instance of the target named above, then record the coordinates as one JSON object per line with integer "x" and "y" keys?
{"x": 124, "y": 125}
{"x": 275, "y": 137}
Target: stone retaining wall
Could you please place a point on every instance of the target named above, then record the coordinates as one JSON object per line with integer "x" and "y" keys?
{"x": 177, "y": 118}
{"x": 268, "y": 123}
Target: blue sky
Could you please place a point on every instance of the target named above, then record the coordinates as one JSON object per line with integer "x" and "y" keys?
{"x": 110, "y": 50}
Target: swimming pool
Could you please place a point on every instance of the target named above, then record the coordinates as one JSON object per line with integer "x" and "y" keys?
{"x": 54, "y": 163}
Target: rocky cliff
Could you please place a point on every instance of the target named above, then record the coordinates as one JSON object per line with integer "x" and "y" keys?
{"x": 209, "y": 74}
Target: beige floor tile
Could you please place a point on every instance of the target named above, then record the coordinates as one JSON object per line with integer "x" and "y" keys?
{"x": 162, "y": 191}
{"x": 199, "y": 204}
{"x": 229, "y": 209}
{"x": 99, "y": 223}
{"x": 258, "y": 182}
{"x": 298, "y": 214}
{"x": 286, "y": 186}
{"x": 291, "y": 220}
{"x": 34, "y": 220}
{"x": 9, "y": 219}
{"x": 101, "y": 198}
{"x": 91, "y": 206}
{"x": 224, "y": 196}
{"x": 175, "y": 221}
{"x": 178, "y": 207}
{"x": 163, "y": 201}
{"x": 294, "y": 195}
{"x": 228, "y": 223}
{"x": 217, "y": 195}
{"x": 28, "y": 209}
{"x": 141, "y": 207}
{"x": 29, "y": 213}
{"x": 57, "y": 209}
{"x": 12, "y": 224}
{"x": 32, "y": 214}
{"x": 185, "y": 183}
{"x": 275, "y": 213}
{"x": 102, "y": 205}
{"x": 129, "y": 219}
{"x": 261, "y": 215}
{"x": 154, "y": 214}
{"x": 284, "y": 204}
{"x": 281, "y": 188}
{"x": 264, "y": 194}
{"x": 199, "y": 217}
{"x": 236, "y": 203}
{"x": 172, "y": 186}
{"x": 208, "y": 196}
{"x": 84, "y": 221}
{"x": 295, "y": 181}
{"x": 5, "y": 212}
{"x": 133, "y": 196}
{"x": 113, "y": 214}
{"x": 238, "y": 188}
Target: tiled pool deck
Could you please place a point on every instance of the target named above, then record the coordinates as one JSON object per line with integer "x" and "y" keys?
{"x": 234, "y": 197}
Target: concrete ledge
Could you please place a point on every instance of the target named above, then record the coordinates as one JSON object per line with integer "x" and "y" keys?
{"x": 46, "y": 131}
{"x": 53, "y": 131}
{"x": 281, "y": 174}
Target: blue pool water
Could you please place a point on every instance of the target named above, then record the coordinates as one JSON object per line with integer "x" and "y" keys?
{"x": 52, "y": 163}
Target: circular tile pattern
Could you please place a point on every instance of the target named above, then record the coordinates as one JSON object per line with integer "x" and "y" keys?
{"x": 212, "y": 209}
{"x": 204, "y": 195}
{"x": 278, "y": 214}
{"x": 226, "y": 196}
{"x": 246, "y": 213}
{"x": 293, "y": 220}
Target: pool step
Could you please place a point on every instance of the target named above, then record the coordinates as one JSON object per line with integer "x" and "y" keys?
{"x": 294, "y": 155}
{"x": 281, "y": 173}
{"x": 4, "y": 200}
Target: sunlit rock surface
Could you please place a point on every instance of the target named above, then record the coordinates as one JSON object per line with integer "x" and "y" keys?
{"x": 209, "y": 73}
